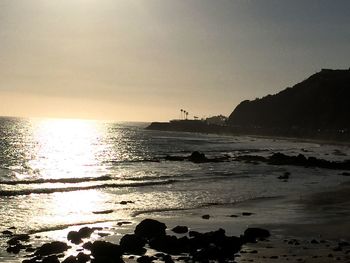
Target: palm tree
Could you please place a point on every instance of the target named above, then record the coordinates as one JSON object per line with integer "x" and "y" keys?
{"x": 181, "y": 112}
{"x": 186, "y": 115}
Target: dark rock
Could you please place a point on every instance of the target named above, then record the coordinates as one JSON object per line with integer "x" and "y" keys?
{"x": 345, "y": 174}
{"x": 30, "y": 249}
{"x": 198, "y": 157}
{"x": 70, "y": 259}
{"x": 87, "y": 245}
{"x": 74, "y": 237}
{"x": 206, "y": 216}
{"x": 150, "y": 228}
{"x": 174, "y": 158}
{"x": 103, "y": 234}
{"x": 285, "y": 176}
{"x": 123, "y": 203}
{"x": 51, "y": 259}
{"x": 180, "y": 229}
{"x": 85, "y": 232}
{"x": 102, "y": 212}
{"x": 55, "y": 247}
{"x": 7, "y": 232}
{"x": 124, "y": 223}
{"x": 167, "y": 244}
{"x": 233, "y": 215}
{"x": 251, "y": 234}
{"x": 247, "y": 214}
{"x": 145, "y": 259}
{"x": 82, "y": 258}
{"x": 133, "y": 244}
{"x": 16, "y": 238}
{"x": 343, "y": 244}
{"x": 13, "y": 249}
{"x": 33, "y": 260}
{"x": 168, "y": 259}
{"x": 105, "y": 250}
{"x": 314, "y": 241}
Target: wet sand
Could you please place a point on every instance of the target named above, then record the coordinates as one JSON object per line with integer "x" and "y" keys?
{"x": 311, "y": 228}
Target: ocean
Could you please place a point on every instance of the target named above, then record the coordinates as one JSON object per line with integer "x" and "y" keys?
{"x": 56, "y": 173}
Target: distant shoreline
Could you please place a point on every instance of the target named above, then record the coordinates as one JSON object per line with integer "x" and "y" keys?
{"x": 302, "y": 135}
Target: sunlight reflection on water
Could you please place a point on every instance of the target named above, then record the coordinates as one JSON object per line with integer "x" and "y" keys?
{"x": 66, "y": 148}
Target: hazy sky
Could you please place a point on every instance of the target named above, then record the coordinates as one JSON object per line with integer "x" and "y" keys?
{"x": 146, "y": 59}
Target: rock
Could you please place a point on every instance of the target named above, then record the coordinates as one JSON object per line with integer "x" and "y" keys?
{"x": 102, "y": 212}
{"x": 13, "y": 249}
{"x": 285, "y": 176}
{"x": 87, "y": 245}
{"x": 168, "y": 244}
{"x": 51, "y": 259}
{"x": 180, "y": 229}
{"x": 233, "y": 215}
{"x": 150, "y": 228}
{"x": 74, "y": 237}
{"x": 123, "y": 223}
{"x": 168, "y": 259}
{"x": 133, "y": 244}
{"x": 7, "y": 232}
{"x": 251, "y": 234}
{"x": 247, "y": 214}
{"x": 16, "y": 238}
{"x": 85, "y": 232}
{"x": 70, "y": 259}
{"x": 197, "y": 157}
{"x": 55, "y": 247}
{"x": 174, "y": 158}
{"x": 106, "y": 251}
{"x": 145, "y": 259}
{"x": 206, "y": 216}
{"x": 103, "y": 234}
{"x": 123, "y": 203}
{"x": 82, "y": 258}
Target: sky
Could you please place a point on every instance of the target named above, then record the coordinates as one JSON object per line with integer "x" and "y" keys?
{"x": 144, "y": 60}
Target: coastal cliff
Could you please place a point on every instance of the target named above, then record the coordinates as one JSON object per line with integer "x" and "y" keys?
{"x": 316, "y": 108}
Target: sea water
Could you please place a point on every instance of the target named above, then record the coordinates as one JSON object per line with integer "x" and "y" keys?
{"x": 56, "y": 173}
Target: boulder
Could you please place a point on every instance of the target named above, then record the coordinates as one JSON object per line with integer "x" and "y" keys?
{"x": 197, "y": 157}
{"x": 106, "y": 250}
{"x": 55, "y": 247}
{"x": 85, "y": 232}
{"x": 70, "y": 259}
{"x": 167, "y": 244}
{"x": 17, "y": 238}
{"x": 180, "y": 229}
{"x": 51, "y": 259}
{"x": 145, "y": 259}
{"x": 82, "y": 258}
{"x": 132, "y": 243}
{"x": 150, "y": 228}
{"x": 74, "y": 237}
{"x": 251, "y": 234}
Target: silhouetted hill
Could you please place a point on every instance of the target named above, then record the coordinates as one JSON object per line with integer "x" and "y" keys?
{"x": 320, "y": 103}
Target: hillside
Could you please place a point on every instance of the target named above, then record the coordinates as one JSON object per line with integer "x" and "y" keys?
{"x": 320, "y": 103}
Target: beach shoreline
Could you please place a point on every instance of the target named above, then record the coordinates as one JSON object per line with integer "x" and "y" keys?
{"x": 309, "y": 228}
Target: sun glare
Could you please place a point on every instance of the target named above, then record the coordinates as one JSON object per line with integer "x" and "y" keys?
{"x": 66, "y": 148}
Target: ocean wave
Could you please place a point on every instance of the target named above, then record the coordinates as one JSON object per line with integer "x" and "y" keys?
{"x": 80, "y": 188}
{"x": 64, "y": 226}
{"x": 204, "y": 205}
{"x": 60, "y": 180}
